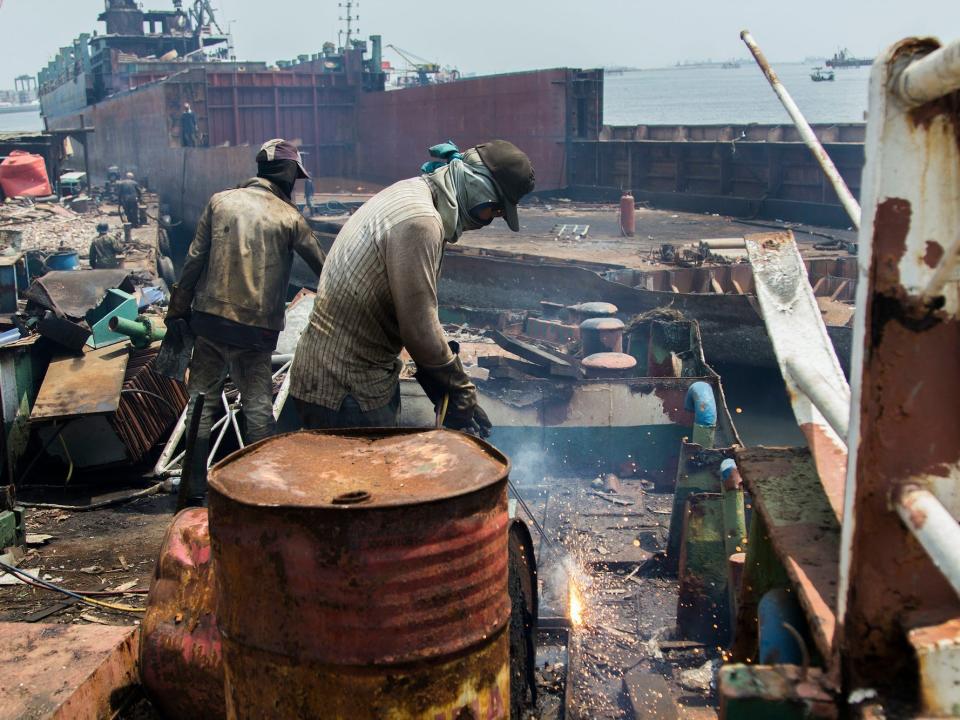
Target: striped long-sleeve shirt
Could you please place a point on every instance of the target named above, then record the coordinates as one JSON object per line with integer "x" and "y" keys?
{"x": 377, "y": 294}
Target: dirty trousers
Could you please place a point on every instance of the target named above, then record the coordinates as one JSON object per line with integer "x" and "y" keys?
{"x": 131, "y": 209}
{"x": 251, "y": 372}
{"x": 350, "y": 415}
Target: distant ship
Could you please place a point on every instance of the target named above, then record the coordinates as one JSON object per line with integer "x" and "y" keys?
{"x": 843, "y": 58}
{"x": 725, "y": 64}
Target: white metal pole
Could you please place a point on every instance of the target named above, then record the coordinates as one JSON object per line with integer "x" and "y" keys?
{"x": 930, "y": 77}
{"x": 935, "y": 529}
{"x": 849, "y": 202}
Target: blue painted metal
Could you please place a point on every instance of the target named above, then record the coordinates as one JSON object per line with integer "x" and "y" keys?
{"x": 116, "y": 303}
{"x": 726, "y": 467}
{"x": 9, "y": 336}
{"x": 701, "y": 401}
{"x": 778, "y": 646}
{"x": 62, "y": 260}
{"x": 9, "y": 282}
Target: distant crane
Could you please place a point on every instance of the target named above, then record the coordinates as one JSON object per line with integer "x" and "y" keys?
{"x": 424, "y": 68}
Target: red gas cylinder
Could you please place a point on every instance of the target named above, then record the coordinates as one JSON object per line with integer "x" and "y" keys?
{"x": 628, "y": 221}
{"x": 181, "y": 664}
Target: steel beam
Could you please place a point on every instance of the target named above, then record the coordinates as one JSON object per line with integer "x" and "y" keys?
{"x": 815, "y": 383}
{"x": 904, "y": 440}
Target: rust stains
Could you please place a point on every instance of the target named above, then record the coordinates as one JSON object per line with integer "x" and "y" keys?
{"x": 934, "y": 253}
{"x": 830, "y": 460}
{"x": 918, "y": 517}
{"x": 891, "y": 225}
{"x": 946, "y": 107}
{"x": 907, "y": 430}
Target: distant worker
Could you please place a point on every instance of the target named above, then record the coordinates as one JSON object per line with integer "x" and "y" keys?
{"x": 378, "y": 293}
{"x": 188, "y": 127}
{"x": 233, "y": 288}
{"x": 308, "y": 195}
{"x": 129, "y": 194}
{"x": 105, "y": 251}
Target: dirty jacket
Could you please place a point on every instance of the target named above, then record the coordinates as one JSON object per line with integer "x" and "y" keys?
{"x": 128, "y": 190}
{"x": 377, "y": 295}
{"x": 104, "y": 251}
{"x": 238, "y": 264}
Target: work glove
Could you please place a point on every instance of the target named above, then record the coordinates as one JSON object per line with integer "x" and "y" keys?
{"x": 451, "y": 381}
{"x": 179, "y": 306}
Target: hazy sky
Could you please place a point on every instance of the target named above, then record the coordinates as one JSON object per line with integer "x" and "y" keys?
{"x": 505, "y": 35}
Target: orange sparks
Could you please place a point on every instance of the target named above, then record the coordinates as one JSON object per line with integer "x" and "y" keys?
{"x": 576, "y": 605}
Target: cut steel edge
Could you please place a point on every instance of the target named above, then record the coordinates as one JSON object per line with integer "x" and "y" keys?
{"x": 804, "y": 351}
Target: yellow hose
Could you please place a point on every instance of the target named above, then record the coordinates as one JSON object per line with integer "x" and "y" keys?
{"x": 442, "y": 410}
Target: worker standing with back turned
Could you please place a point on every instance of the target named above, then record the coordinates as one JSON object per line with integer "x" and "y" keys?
{"x": 105, "y": 251}
{"x": 129, "y": 194}
{"x": 233, "y": 290}
{"x": 378, "y": 293}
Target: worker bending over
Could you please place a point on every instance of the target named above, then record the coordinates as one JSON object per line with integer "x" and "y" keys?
{"x": 233, "y": 289}
{"x": 378, "y": 293}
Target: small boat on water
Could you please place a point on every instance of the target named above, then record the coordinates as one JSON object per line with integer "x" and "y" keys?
{"x": 821, "y": 75}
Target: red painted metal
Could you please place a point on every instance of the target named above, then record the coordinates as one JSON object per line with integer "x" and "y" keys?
{"x": 534, "y": 110}
{"x": 602, "y": 335}
{"x": 180, "y": 651}
{"x": 317, "y": 110}
{"x": 628, "y": 215}
{"x": 347, "y": 557}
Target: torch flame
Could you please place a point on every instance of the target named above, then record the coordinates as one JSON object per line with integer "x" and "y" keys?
{"x": 576, "y": 605}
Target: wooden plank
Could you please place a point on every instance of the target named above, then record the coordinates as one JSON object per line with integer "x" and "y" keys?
{"x": 88, "y": 384}
{"x": 803, "y": 530}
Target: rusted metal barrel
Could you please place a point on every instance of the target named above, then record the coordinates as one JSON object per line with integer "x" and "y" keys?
{"x": 603, "y": 334}
{"x": 181, "y": 664}
{"x": 363, "y": 574}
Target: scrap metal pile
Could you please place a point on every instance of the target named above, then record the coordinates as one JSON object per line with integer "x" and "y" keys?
{"x": 47, "y": 227}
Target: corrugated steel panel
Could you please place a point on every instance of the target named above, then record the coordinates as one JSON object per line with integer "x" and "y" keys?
{"x": 317, "y": 111}
{"x": 533, "y": 110}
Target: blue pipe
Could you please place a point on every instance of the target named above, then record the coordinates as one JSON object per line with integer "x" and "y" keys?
{"x": 778, "y": 646}
{"x": 726, "y": 467}
{"x": 701, "y": 402}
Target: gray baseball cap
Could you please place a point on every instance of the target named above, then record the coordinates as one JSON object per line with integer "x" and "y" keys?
{"x": 280, "y": 149}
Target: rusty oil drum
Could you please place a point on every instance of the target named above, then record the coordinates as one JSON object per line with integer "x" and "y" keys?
{"x": 181, "y": 665}
{"x": 363, "y": 574}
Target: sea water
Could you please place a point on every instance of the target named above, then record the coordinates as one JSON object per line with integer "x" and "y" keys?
{"x": 714, "y": 95}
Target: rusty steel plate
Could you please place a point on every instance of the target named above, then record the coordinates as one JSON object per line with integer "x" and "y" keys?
{"x": 802, "y": 527}
{"x": 85, "y": 385}
{"x": 66, "y": 671}
{"x": 359, "y": 469}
